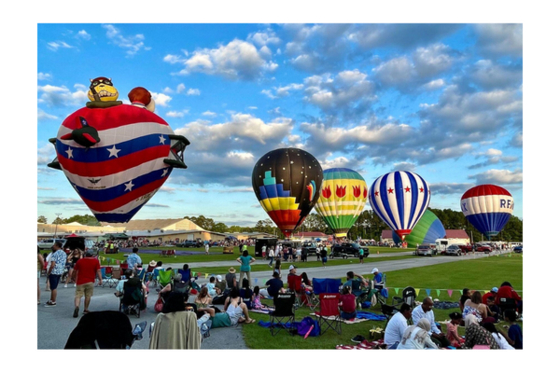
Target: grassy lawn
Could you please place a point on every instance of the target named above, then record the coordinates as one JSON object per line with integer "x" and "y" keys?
{"x": 479, "y": 274}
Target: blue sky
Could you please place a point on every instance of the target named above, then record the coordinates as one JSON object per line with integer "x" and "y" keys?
{"x": 442, "y": 100}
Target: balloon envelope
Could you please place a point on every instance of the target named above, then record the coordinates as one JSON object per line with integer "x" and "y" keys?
{"x": 400, "y": 198}
{"x": 488, "y": 208}
{"x": 287, "y": 182}
{"x": 342, "y": 199}
{"x": 428, "y": 229}
{"x": 119, "y": 174}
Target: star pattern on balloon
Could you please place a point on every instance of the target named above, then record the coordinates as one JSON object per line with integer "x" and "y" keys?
{"x": 128, "y": 186}
{"x": 114, "y": 152}
{"x": 69, "y": 152}
{"x": 164, "y": 172}
{"x": 161, "y": 139}
{"x": 390, "y": 190}
{"x": 407, "y": 189}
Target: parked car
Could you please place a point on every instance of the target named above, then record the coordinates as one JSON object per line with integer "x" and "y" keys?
{"x": 518, "y": 249}
{"x": 483, "y": 249}
{"x": 190, "y": 243}
{"x": 453, "y": 250}
{"x": 348, "y": 249}
{"x": 424, "y": 250}
{"x": 49, "y": 242}
{"x": 311, "y": 247}
{"x": 466, "y": 248}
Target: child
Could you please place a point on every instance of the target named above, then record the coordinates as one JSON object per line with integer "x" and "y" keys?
{"x": 257, "y": 299}
{"x": 515, "y": 334}
{"x": 277, "y": 268}
{"x": 347, "y": 304}
{"x": 452, "y": 335}
{"x": 499, "y": 337}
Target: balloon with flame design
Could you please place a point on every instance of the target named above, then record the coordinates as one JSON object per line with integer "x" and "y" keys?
{"x": 342, "y": 199}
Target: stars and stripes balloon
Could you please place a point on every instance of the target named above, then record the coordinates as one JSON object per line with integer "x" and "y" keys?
{"x": 342, "y": 199}
{"x": 287, "y": 183}
{"x": 400, "y": 198}
{"x": 116, "y": 157}
{"x": 488, "y": 208}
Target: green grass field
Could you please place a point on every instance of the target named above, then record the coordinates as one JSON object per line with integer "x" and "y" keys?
{"x": 479, "y": 274}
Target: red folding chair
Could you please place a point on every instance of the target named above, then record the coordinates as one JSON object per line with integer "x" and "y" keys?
{"x": 329, "y": 315}
{"x": 163, "y": 253}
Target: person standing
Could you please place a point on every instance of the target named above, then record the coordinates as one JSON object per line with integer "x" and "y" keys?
{"x": 55, "y": 271}
{"x": 86, "y": 270}
{"x": 361, "y": 253}
{"x": 206, "y": 247}
{"x": 40, "y": 265}
{"x": 324, "y": 256}
{"x": 245, "y": 271}
{"x": 424, "y": 311}
{"x": 271, "y": 255}
{"x": 134, "y": 259}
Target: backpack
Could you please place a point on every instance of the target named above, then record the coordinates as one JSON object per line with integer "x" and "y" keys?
{"x": 305, "y": 324}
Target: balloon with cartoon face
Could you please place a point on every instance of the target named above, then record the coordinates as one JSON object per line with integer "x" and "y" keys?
{"x": 102, "y": 89}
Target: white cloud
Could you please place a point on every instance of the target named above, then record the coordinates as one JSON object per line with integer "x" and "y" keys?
{"x": 160, "y": 99}
{"x": 180, "y": 88}
{"x": 45, "y": 154}
{"x": 397, "y": 71}
{"x": 193, "y": 92}
{"x": 132, "y": 44}
{"x": 82, "y": 34}
{"x": 432, "y": 60}
{"x": 434, "y": 84}
{"x": 209, "y": 113}
{"x": 176, "y": 114}
{"x": 263, "y": 38}
{"x": 499, "y": 177}
{"x": 54, "y": 96}
{"x": 236, "y": 60}
{"x": 42, "y": 116}
{"x": 54, "y": 45}
{"x": 499, "y": 39}
{"x": 44, "y": 76}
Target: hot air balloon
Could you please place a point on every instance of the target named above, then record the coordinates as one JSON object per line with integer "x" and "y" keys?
{"x": 428, "y": 229}
{"x": 342, "y": 199}
{"x": 488, "y": 208}
{"x": 400, "y": 198}
{"x": 287, "y": 182}
{"x": 116, "y": 156}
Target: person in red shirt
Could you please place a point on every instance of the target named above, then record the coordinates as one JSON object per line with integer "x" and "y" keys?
{"x": 492, "y": 293}
{"x": 506, "y": 291}
{"x": 86, "y": 270}
{"x": 347, "y": 304}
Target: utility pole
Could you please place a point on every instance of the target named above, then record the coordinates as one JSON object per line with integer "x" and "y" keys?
{"x": 56, "y": 226}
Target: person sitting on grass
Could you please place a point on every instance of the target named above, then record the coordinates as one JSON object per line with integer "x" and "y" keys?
{"x": 355, "y": 282}
{"x": 464, "y": 296}
{"x": 237, "y": 310}
{"x": 424, "y": 311}
{"x": 452, "y": 335}
{"x": 396, "y": 326}
{"x": 515, "y": 333}
{"x": 212, "y": 290}
{"x": 203, "y": 302}
{"x": 257, "y": 305}
{"x": 477, "y": 335}
{"x": 417, "y": 337}
{"x": 305, "y": 282}
{"x": 499, "y": 336}
{"x": 274, "y": 286}
{"x": 347, "y": 304}
{"x": 506, "y": 291}
{"x": 246, "y": 293}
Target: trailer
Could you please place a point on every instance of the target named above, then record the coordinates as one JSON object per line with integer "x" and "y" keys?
{"x": 442, "y": 243}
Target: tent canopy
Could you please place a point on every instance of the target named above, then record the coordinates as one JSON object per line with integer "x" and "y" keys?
{"x": 115, "y": 236}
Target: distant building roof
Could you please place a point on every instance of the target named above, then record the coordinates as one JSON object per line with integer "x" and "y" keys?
{"x": 310, "y": 234}
{"x": 387, "y": 234}
{"x": 152, "y": 224}
{"x": 456, "y": 233}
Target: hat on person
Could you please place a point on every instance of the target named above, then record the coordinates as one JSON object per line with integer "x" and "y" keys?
{"x": 152, "y": 263}
{"x": 374, "y": 270}
{"x": 219, "y": 278}
{"x": 494, "y": 290}
{"x": 292, "y": 267}
{"x": 231, "y": 270}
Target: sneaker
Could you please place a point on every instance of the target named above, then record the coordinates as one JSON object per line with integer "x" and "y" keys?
{"x": 76, "y": 312}
{"x": 74, "y": 284}
{"x": 65, "y": 285}
{"x": 358, "y": 339}
{"x": 50, "y": 304}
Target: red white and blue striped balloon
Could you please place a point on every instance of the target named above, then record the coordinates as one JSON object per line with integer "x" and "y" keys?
{"x": 488, "y": 208}
{"x": 118, "y": 175}
{"x": 400, "y": 198}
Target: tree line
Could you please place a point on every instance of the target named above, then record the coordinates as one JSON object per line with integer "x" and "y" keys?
{"x": 367, "y": 226}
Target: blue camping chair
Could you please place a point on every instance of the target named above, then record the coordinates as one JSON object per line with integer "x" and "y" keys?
{"x": 326, "y": 285}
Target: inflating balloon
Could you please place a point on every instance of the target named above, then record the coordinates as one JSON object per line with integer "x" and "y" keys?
{"x": 342, "y": 199}
{"x": 428, "y": 229}
{"x": 116, "y": 156}
{"x": 400, "y": 198}
{"x": 488, "y": 208}
{"x": 287, "y": 182}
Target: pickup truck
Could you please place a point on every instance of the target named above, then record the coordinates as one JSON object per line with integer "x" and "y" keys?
{"x": 348, "y": 249}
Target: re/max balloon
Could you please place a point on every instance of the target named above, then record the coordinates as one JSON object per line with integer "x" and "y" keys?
{"x": 287, "y": 182}
{"x": 342, "y": 199}
{"x": 400, "y": 198}
{"x": 428, "y": 229}
{"x": 488, "y": 208}
{"x": 117, "y": 157}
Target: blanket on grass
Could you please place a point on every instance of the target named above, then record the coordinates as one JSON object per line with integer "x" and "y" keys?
{"x": 364, "y": 345}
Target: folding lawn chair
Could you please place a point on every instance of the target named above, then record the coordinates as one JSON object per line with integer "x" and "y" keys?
{"x": 408, "y": 297}
{"x": 283, "y": 313}
{"x": 165, "y": 277}
{"x": 326, "y": 285}
{"x": 388, "y": 312}
{"x": 132, "y": 301}
{"x": 294, "y": 284}
{"x": 108, "y": 278}
{"x": 328, "y": 303}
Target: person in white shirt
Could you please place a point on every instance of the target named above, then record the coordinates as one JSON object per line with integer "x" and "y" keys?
{"x": 424, "y": 311}
{"x": 271, "y": 256}
{"x": 395, "y": 327}
{"x": 499, "y": 336}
